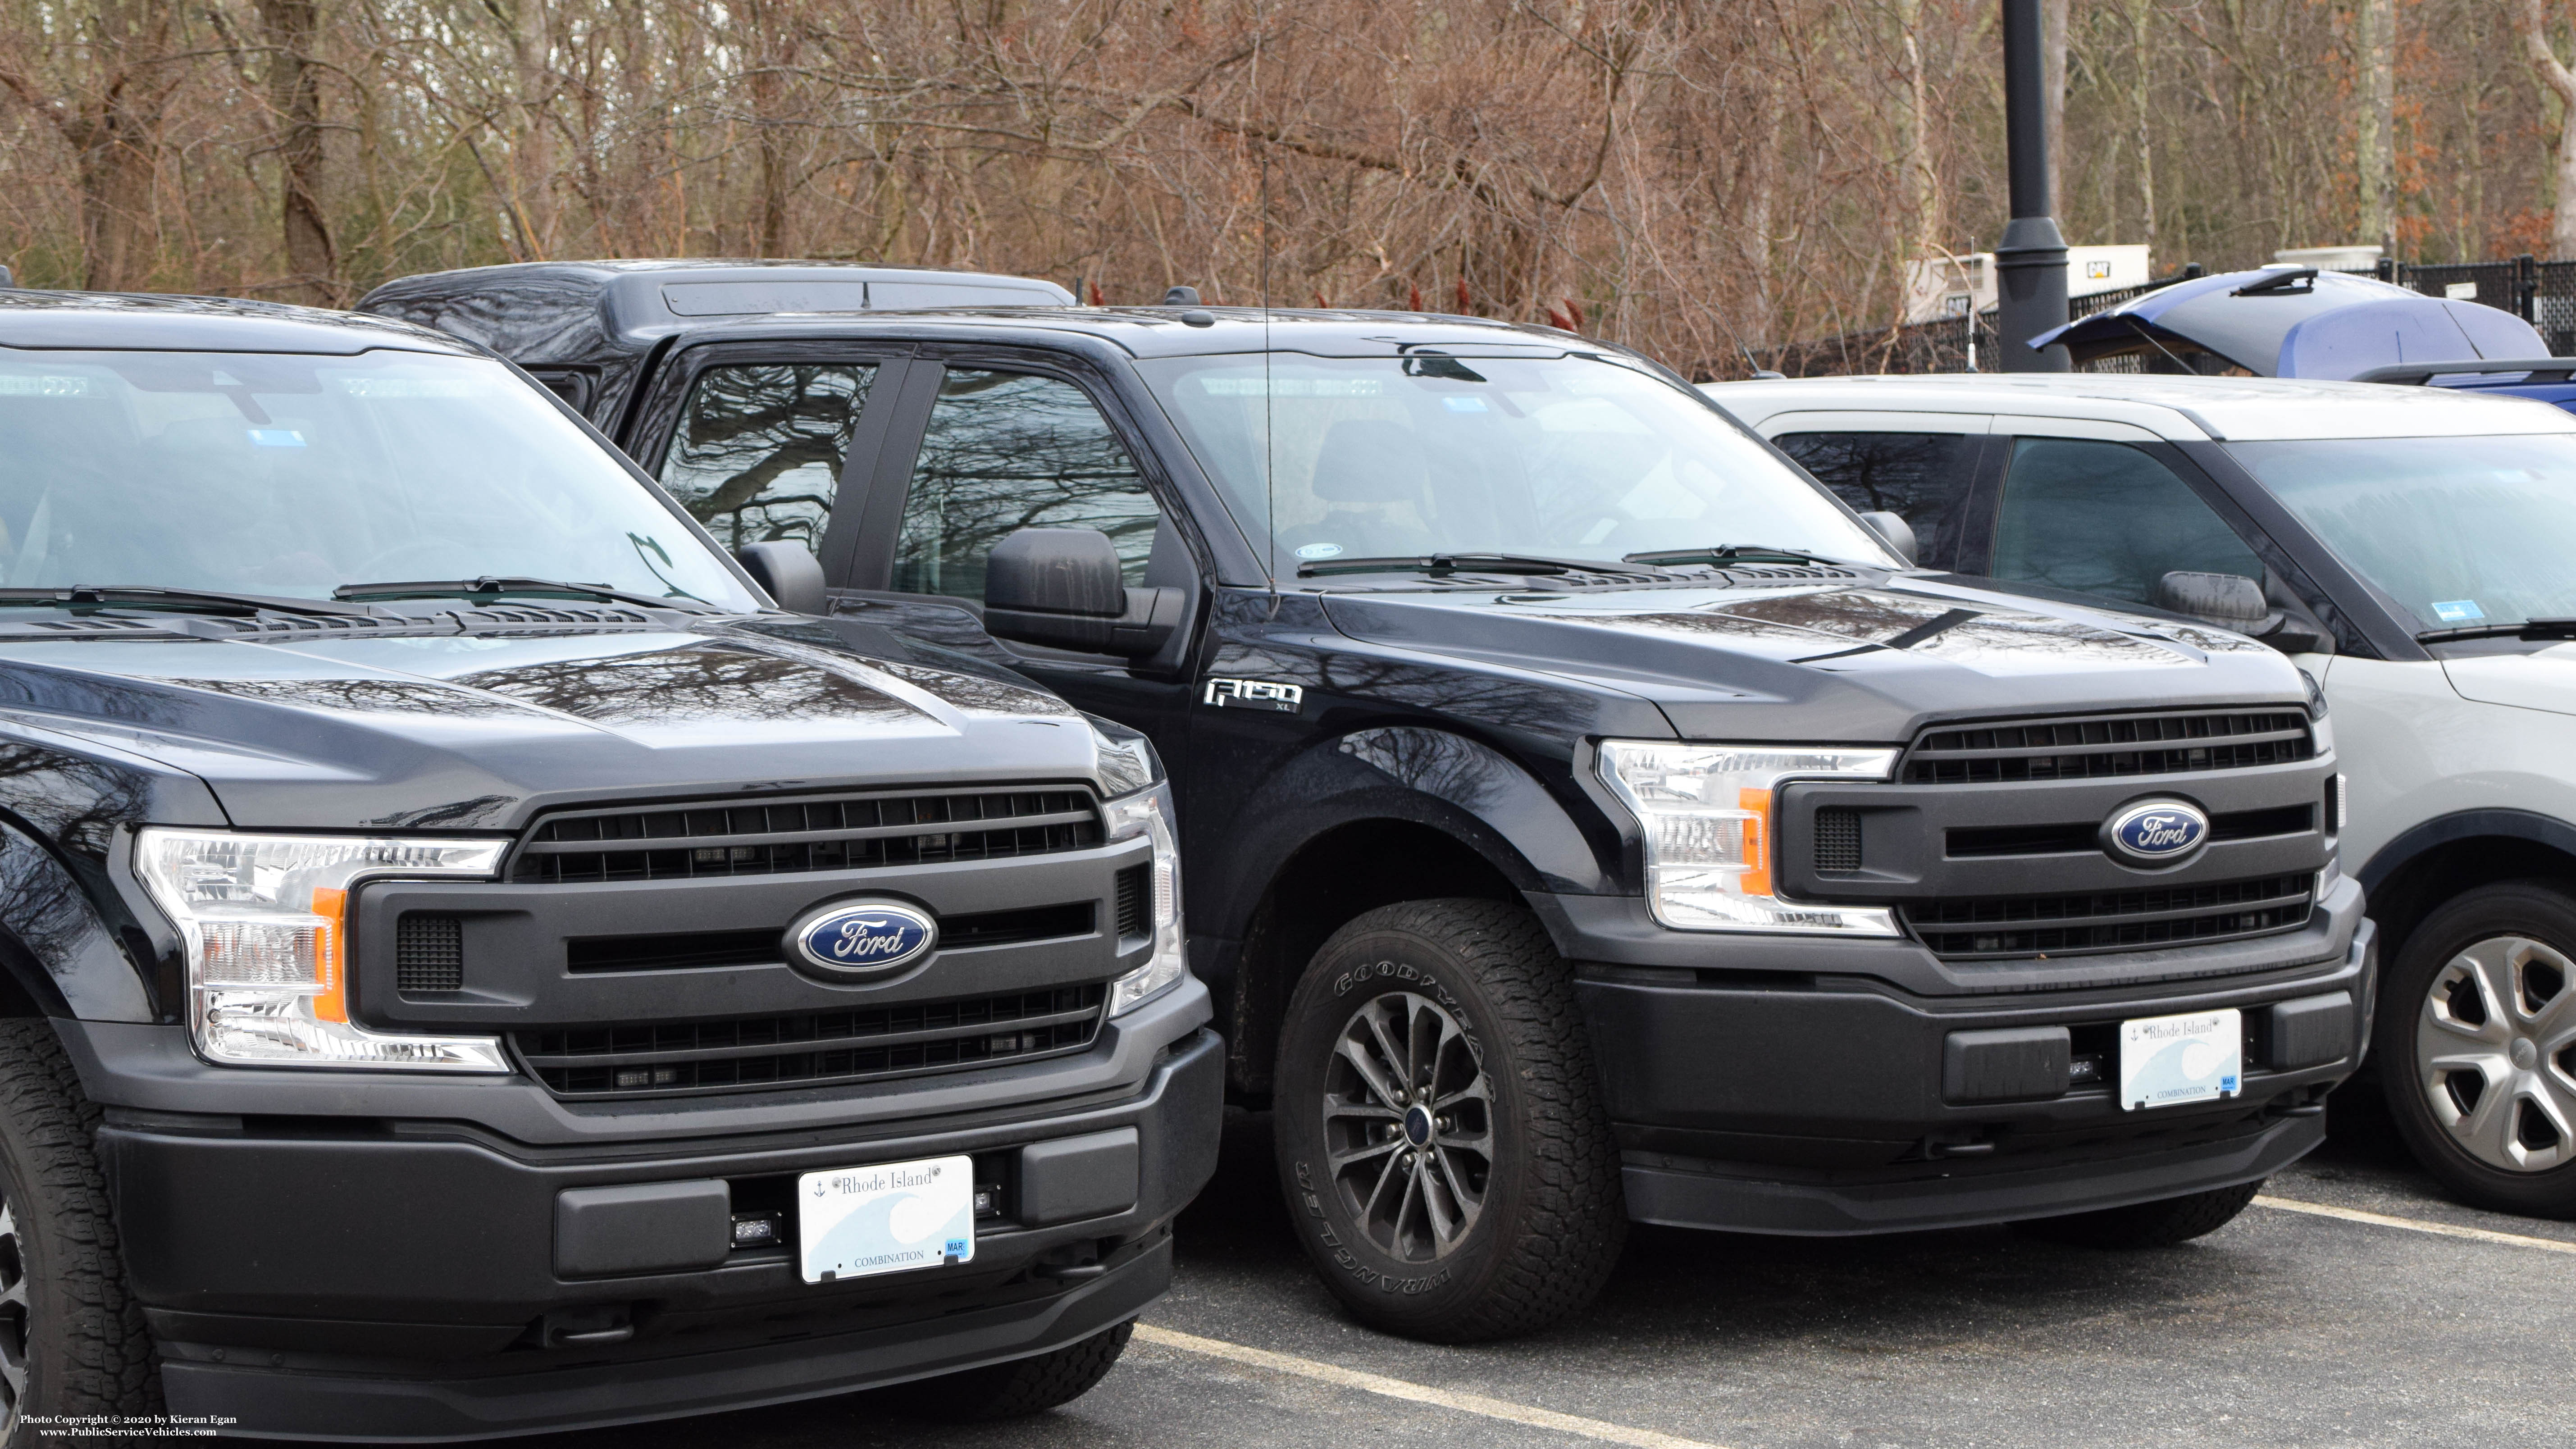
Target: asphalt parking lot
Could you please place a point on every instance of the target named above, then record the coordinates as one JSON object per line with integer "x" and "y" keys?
{"x": 2415, "y": 1322}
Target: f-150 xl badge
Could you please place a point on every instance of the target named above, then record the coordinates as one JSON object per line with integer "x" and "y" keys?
{"x": 1254, "y": 694}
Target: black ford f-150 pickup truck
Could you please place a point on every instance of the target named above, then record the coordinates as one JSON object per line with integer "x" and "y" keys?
{"x": 1587, "y": 816}
{"x": 471, "y": 965}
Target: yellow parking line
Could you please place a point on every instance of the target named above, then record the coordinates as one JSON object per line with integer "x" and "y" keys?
{"x": 1478, "y": 1404}
{"x": 2414, "y": 1225}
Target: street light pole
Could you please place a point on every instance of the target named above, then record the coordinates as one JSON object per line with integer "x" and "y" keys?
{"x": 2030, "y": 261}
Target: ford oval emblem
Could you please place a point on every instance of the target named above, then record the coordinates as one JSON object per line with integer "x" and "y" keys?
{"x": 864, "y": 938}
{"x": 2156, "y": 832}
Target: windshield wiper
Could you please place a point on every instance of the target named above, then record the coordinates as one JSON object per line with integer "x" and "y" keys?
{"x": 511, "y": 584}
{"x": 155, "y": 594}
{"x": 1728, "y": 553}
{"x": 1447, "y": 563}
{"x": 2527, "y": 629}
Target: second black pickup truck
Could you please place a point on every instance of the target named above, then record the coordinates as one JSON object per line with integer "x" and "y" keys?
{"x": 1588, "y": 818}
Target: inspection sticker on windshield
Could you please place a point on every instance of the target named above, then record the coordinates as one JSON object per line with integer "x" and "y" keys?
{"x": 2458, "y": 611}
{"x": 855, "y": 1222}
{"x": 2169, "y": 1060}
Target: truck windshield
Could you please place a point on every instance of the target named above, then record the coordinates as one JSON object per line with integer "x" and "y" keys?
{"x": 2463, "y": 533}
{"x": 1566, "y": 457}
{"x": 290, "y": 475}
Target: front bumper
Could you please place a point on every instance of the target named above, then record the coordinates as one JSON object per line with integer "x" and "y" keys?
{"x": 338, "y": 1277}
{"x": 1832, "y": 1103}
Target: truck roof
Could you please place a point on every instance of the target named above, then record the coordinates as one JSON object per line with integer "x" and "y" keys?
{"x": 112, "y": 321}
{"x": 569, "y": 311}
{"x": 2176, "y": 407}
{"x": 605, "y": 318}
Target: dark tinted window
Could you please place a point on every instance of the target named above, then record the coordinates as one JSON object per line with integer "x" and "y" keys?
{"x": 2106, "y": 518}
{"x": 758, "y": 453}
{"x": 1922, "y": 478}
{"x": 1005, "y": 451}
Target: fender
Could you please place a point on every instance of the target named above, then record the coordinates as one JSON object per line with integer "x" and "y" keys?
{"x": 68, "y": 802}
{"x": 2464, "y": 825}
{"x": 54, "y": 944}
{"x": 1461, "y": 786}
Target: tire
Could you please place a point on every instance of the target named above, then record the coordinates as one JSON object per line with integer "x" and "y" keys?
{"x": 2158, "y": 1224}
{"x": 2476, "y": 1041}
{"x": 72, "y": 1339}
{"x": 1019, "y": 1388}
{"x": 1516, "y": 1219}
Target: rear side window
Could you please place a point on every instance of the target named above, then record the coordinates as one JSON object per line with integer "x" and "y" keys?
{"x": 758, "y": 453}
{"x": 1922, "y": 478}
{"x": 2108, "y": 519}
{"x": 1006, "y": 451}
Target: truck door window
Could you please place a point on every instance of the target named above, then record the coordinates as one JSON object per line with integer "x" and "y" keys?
{"x": 1922, "y": 478}
{"x": 758, "y": 452}
{"x": 1009, "y": 450}
{"x": 2106, "y": 518}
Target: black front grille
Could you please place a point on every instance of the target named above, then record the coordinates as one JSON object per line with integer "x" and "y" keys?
{"x": 1837, "y": 838}
{"x": 766, "y": 946}
{"x": 812, "y": 1048}
{"x": 2125, "y": 920}
{"x": 2109, "y": 747}
{"x": 429, "y": 953}
{"x": 805, "y": 833}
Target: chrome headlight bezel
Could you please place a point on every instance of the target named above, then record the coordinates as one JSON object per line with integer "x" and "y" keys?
{"x": 263, "y": 923}
{"x": 1148, "y": 813}
{"x": 1705, "y": 816}
{"x": 1124, "y": 759}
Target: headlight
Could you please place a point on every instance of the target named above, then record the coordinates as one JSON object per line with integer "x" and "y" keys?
{"x": 1149, "y": 813}
{"x": 1125, "y": 758}
{"x": 1706, "y": 813}
{"x": 265, "y": 922}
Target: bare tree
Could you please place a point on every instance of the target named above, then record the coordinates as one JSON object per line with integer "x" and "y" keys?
{"x": 290, "y": 28}
{"x": 2374, "y": 142}
{"x": 2561, "y": 82}
{"x": 107, "y": 94}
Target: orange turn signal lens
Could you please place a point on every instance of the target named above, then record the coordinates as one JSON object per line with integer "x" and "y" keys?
{"x": 331, "y": 1003}
{"x": 1756, "y": 805}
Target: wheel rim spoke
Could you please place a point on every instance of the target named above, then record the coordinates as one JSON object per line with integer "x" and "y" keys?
{"x": 1369, "y": 1072}
{"x": 1340, "y": 1159}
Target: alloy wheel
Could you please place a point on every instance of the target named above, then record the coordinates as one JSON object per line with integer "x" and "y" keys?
{"x": 14, "y": 1326}
{"x": 1409, "y": 1126}
{"x": 2495, "y": 1052}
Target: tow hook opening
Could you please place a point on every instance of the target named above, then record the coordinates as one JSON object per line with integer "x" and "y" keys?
{"x": 594, "y": 1326}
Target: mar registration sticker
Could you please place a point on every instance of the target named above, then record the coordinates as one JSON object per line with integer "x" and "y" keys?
{"x": 2169, "y": 1060}
{"x": 855, "y": 1222}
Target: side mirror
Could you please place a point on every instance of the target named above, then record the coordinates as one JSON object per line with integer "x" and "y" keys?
{"x": 788, "y": 572}
{"x": 1060, "y": 587}
{"x": 2230, "y": 601}
{"x": 1898, "y": 533}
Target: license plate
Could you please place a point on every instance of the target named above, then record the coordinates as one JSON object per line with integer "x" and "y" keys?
{"x": 2169, "y": 1060}
{"x": 856, "y": 1222}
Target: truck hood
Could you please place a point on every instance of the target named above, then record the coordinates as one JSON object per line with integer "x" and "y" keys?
{"x": 2543, "y": 679}
{"x": 470, "y": 731}
{"x": 1868, "y": 659}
